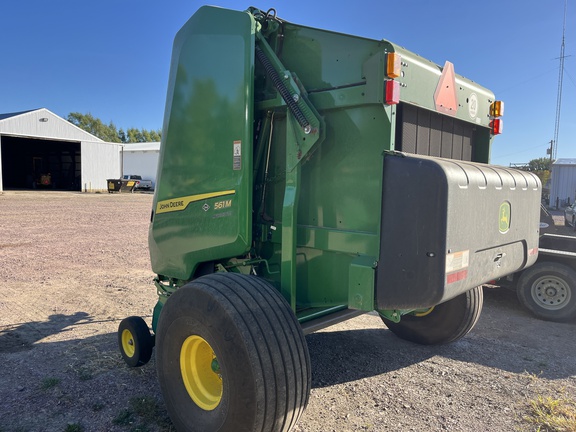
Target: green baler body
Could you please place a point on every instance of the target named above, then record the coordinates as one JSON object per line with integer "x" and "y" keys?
{"x": 241, "y": 186}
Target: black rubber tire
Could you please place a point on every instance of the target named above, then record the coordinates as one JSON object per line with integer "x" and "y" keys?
{"x": 258, "y": 343}
{"x": 447, "y": 322}
{"x": 141, "y": 341}
{"x": 548, "y": 290}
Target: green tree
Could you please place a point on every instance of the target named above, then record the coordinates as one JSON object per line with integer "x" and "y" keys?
{"x": 541, "y": 167}
{"x": 540, "y": 164}
{"x": 109, "y": 132}
{"x": 95, "y": 126}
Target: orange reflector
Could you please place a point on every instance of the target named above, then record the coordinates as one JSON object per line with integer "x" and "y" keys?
{"x": 392, "y": 92}
{"x": 496, "y": 126}
{"x": 393, "y": 65}
{"x": 445, "y": 97}
{"x": 497, "y": 109}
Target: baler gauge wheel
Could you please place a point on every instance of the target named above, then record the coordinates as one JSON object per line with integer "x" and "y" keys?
{"x": 443, "y": 323}
{"x": 244, "y": 363}
{"x": 135, "y": 341}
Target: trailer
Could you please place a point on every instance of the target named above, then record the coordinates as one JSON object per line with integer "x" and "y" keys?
{"x": 548, "y": 288}
{"x": 306, "y": 177}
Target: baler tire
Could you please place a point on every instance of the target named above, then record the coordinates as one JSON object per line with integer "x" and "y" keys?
{"x": 231, "y": 356}
{"x": 548, "y": 290}
{"x": 135, "y": 341}
{"x": 445, "y": 323}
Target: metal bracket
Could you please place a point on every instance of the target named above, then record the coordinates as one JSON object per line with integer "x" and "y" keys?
{"x": 307, "y": 125}
{"x": 304, "y": 130}
{"x": 393, "y": 315}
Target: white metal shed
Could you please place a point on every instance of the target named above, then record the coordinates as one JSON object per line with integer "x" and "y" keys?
{"x": 40, "y": 150}
{"x": 563, "y": 182}
{"x": 141, "y": 159}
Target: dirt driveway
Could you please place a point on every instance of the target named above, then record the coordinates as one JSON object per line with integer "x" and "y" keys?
{"x": 74, "y": 265}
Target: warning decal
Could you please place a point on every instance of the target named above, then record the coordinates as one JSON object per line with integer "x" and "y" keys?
{"x": 237, "y": 164}
{"x": 457, "y": 261}
{"x": 457, "y": 266}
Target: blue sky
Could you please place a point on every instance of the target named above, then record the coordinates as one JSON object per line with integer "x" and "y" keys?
{"x": 111, "y": 57}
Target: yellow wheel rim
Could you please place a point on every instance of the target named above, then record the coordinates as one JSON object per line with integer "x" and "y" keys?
{"x": 128, "y": 343}
{"x": 201, "y": 372}
{"x": 424, "y": 312}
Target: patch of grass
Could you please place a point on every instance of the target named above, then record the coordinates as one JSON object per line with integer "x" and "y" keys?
{"x": 550, "y": 414}
{"x": 85, "y": 375}
{"x": 74, "y": 427}
{"x": 140, "y": 428}
{"x": 88, "y": 361}
{"x": 50, "y": 382}
{"x": 98, "y": 406}
{"x": 144, "y": 415}
{"x": 124, "y": 418}
{"x": 147, "y": 408}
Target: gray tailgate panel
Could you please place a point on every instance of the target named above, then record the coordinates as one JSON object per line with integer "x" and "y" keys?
{"x": 448, "y": 226}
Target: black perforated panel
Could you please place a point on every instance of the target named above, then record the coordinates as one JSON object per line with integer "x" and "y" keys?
{"x": 425, "y": 132}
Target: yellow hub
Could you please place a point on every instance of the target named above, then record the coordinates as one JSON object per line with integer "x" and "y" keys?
{"x": 201, "y": 372}
{"x": 128, "y": 343}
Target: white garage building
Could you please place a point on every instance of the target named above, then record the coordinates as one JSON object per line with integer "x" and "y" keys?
{"x": 141, "y": 159}
{"x": 39, "y": 150}
{"x": 563, "y": 182}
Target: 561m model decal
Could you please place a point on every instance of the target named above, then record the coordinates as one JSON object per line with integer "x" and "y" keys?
{"x": 179, "y": 204}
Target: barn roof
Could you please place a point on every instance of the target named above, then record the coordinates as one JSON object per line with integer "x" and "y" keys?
{"x": 566, "y": 161}
{"x": 42, "y": 123}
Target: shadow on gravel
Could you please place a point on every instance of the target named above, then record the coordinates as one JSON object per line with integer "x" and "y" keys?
{"x": 507, "y": 337}
{"x": 343, "y": 356}
{"x": 21, "y": 337}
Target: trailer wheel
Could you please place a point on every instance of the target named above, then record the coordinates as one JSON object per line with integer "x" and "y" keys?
{"x": 547, "y": 290}
{"x": 135, "y": 341}
{"x": 231, "y": 356}
{"x": 444, "y": 323}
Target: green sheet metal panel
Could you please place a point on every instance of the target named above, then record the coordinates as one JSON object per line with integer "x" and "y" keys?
{"x": 419, "y": 82}
{"x": 203, "y": 202}
{"x": 341, "y": 179}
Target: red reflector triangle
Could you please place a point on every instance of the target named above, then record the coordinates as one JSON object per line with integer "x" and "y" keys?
{"x": 445, "y": 96}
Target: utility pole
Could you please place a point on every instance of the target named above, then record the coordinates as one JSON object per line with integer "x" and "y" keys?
{"x": 554, "y": 142}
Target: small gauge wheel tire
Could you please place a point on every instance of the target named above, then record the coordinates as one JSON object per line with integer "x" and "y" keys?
{"x": 444, "y": 323}
{"x": 135, "y": 341}
{"x": 548, "y": 290}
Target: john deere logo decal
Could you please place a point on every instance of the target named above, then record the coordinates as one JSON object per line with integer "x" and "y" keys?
{"x": 504, "y": 220}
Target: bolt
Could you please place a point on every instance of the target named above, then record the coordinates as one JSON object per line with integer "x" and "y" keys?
{"x": 296, "y": 97}
{"x": 307, "y": 129}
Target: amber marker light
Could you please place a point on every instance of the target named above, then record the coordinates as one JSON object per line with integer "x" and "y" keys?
{"x": 393, "y": 65}
{"x": 497, "y": 109}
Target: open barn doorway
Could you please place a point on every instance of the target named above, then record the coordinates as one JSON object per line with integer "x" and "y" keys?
{"x": 29, "y": 163}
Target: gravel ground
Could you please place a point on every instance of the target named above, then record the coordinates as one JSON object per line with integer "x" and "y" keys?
{"x": 76, "y": 264}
